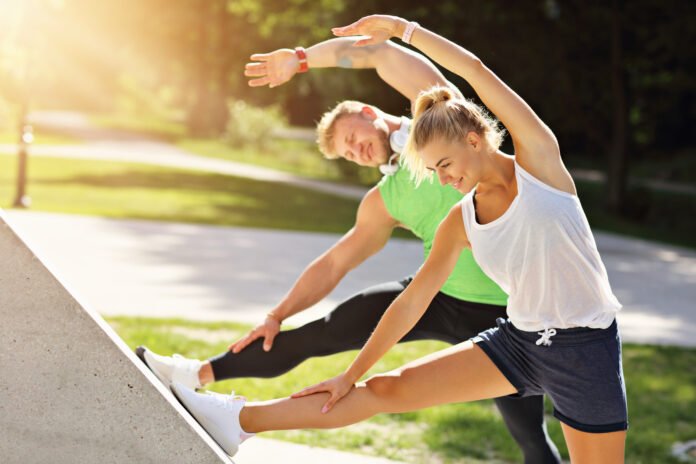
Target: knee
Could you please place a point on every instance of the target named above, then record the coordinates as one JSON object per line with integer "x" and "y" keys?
{"x": 389, "y": 387}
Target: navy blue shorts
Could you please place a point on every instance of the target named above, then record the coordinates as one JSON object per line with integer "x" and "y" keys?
{"x": 580, "y": 371}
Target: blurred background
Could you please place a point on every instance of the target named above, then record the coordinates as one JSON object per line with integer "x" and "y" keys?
{"x": 614, "y": 80}
{"x": 139, "y": 110}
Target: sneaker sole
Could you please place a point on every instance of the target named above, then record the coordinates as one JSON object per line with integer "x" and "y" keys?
{"x": 172, "y": 388}
{"x": 140, "y": 352}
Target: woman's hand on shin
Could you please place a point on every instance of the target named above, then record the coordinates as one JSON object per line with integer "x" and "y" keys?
{"x": 337, "y": 388}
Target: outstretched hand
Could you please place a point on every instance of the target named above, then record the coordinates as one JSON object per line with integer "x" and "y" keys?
{"x": 267, "y": 330}
{"x": 337, "y": 388}
{"x": 272, "y": 69}
{"x": 376, "y": 28}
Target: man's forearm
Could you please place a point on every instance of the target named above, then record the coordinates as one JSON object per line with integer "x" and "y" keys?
{"x": 342, "y": 54}
{"x": 315, "y": 283}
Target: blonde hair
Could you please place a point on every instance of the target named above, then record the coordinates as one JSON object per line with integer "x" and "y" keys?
{"x": 327, "y": 126}
{"x": 440, "y": 113}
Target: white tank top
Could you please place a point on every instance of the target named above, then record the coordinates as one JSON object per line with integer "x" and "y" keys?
{"x": 542, "y": 253}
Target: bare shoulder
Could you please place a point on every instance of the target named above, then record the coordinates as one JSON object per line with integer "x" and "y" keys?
{"x": 544, "y": 162}
{"x": 451, "y": 229}
{"x": 373, "y": 210}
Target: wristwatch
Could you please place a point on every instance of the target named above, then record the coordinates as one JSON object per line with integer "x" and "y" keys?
{"x": 302, "y": 56}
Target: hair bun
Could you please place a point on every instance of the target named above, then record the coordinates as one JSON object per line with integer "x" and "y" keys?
{"x": 441, "y": 94}
{"x": 429, "y": 98}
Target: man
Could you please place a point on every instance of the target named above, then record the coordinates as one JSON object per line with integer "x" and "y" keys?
{"x": 468, "y": 303}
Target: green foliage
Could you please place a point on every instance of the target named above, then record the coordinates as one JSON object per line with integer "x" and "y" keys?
{"x": 249, "y": 125}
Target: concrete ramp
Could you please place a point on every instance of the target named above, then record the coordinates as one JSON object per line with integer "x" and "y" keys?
{"x": 71, "y": 391}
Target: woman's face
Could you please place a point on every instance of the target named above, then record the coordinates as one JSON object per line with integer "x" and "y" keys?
{"x": 457, "y": 163}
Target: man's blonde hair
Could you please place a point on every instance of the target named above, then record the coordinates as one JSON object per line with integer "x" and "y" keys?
{"x": 440, "y": 113}
{"x": 327, "y": 126}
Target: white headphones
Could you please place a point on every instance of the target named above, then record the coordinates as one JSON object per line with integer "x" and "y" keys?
{"x": 397, "y": 142}
{"x": 390, "y": 168}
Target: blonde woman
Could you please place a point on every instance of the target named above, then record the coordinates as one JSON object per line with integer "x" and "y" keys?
{"x": 524, "y": 223}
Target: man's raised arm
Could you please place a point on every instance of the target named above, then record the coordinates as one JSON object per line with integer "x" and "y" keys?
{"x": 391, "y": 61}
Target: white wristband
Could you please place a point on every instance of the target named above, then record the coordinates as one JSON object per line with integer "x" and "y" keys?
{"x": 408, "y": 32}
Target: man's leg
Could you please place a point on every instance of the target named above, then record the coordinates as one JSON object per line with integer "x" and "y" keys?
{"x": 346, "y": 328}
{"x": 524, "y": 418}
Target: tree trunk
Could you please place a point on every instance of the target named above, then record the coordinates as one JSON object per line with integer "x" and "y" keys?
{"x": 208, "y": 114}
{"x": 618, "y": 154}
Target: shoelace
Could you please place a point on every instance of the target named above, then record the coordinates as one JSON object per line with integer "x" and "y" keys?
{"x": 227, "y": 400}
{"x": 545, "y": 338}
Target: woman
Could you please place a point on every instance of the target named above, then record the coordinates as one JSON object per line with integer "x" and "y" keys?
{"x": 527, "y": 230}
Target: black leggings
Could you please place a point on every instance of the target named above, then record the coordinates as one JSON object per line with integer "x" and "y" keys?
{"x": 348, "y": 327}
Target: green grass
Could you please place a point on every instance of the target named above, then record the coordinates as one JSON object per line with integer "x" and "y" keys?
{"x": 123, "y": 190}
{"x": 661, "y": 386}
{"x": 294, "y": 156}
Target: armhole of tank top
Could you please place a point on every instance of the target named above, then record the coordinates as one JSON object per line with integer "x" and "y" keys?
{"x": 465, "y": 206}
{"x": 521, "y": 173}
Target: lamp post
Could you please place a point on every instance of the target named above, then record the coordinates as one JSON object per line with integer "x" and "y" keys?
{"x": 26, "y": 132}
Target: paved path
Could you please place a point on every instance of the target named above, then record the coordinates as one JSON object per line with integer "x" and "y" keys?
{"x": 263, "y": 451}
{"x": 225, "y": 273}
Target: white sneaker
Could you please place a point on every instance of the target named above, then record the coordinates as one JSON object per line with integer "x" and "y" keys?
{"x": 172, "y": 368}
{"x": 218, "y": 415}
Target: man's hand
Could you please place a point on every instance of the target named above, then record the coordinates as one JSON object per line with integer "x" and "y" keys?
{"x": 272, "y": 69}
{"x": 337, "y": 388}
{"x": 268, "y": 330}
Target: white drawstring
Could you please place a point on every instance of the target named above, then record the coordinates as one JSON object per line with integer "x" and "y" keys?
{"x": 545, "y": 338}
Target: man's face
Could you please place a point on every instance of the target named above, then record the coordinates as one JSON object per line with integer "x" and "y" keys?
{"x": 362, "y": 138}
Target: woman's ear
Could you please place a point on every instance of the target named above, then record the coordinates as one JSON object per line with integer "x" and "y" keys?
{"x": 473, "y": 140}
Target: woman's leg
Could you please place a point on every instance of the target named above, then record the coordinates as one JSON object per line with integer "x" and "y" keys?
{"x": 594, "y": 448}
{"x": 460, "y": 373}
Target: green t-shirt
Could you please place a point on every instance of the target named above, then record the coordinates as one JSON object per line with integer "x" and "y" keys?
{"x": 421, "y": 209}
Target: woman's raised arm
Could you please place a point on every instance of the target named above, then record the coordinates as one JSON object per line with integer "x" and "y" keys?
{"x": 536, "y": 147}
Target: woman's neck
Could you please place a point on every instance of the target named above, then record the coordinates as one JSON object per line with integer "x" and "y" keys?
{"x": 498, "y": 173}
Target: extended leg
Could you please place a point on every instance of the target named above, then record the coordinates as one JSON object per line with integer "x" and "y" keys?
{"x": 345, "y": 328}
{"x": 460, "y": 373}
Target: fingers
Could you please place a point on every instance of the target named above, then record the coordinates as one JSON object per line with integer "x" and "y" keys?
{"x": 333, "y": 399}
{"x": 244, "y": 342}
{"x": 351, "y": 29}
{"x": 268, "y": 342}
{"x": 259, "y": 82}
{"x": 320, "y": 387}
{"x": 261, "y": 56}
{"x": 366, "y": 41}
{"x": 255, "y": 69}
